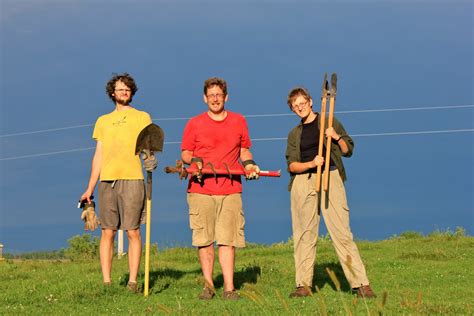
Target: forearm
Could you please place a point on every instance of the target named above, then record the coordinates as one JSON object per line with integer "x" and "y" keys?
{"x": 186, "y": 156}
{"x": 300, "y": 167}
{"x": 245, "y": 154}
{"x": 343, "y": 145}
{"x": 95, "y": 172}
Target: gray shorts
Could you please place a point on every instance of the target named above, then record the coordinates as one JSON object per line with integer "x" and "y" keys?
{"x": 122, "y": 204}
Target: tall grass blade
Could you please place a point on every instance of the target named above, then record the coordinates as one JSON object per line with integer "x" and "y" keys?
{"x": 337, "y": 284}
{"x": 282, "y": 300}
{"x": 322, "y": 304}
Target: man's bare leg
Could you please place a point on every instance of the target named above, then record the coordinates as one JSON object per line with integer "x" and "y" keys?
{"x": 134, "y": 253}
{"x": 227, "y": 261}
{"x": 206, "y": 258}
{"x": 107, "y": 253}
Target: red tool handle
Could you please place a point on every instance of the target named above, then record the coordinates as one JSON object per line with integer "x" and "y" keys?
{"x": 220, "y": 171}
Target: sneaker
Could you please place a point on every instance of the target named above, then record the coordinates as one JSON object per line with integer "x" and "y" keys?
{"x": 206, "y": 294}
{"x": 231, "y": 295}
{"x": 365, "y": 291}
{"x": 133, "y": 287}
{"x": 301, "y": 291}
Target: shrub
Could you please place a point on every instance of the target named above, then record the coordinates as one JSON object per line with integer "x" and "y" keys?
{"x": 411, "y": 234}
{"x": 459, "y": 232}
{"x": 82, "y": 247}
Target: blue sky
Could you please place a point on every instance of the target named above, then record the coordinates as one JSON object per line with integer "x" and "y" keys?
{"x": 57, "y": 56}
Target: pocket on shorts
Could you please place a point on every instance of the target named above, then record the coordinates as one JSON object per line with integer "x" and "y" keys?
{"x": 194, "y": 220}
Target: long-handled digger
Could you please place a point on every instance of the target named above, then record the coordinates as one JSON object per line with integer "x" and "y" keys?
{"x": 150, "y": 140}
{"x": 322, "y": 114}
{"x": 332, "y": 100}
{"x": 209, "y": 169}
{"x": 331, "y": 93}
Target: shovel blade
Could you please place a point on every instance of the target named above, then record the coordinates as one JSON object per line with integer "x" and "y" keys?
{"x": 151, "y": 138}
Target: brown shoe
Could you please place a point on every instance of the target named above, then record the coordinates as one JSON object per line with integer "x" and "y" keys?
{"x": 231, "y": 295}
{"x": 133, "y": 287}
{"x": 207, "y": 294}
{"x": 365, "y": 291}
{"x": 301, "y": 291}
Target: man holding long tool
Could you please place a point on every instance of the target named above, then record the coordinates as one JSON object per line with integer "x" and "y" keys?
{"x": 121, "y": 187}
{"x": 217, "y": 139}
{"x": 303, "y": 157}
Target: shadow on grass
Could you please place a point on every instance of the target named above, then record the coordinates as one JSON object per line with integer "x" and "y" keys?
{"x": 163, "y": 274}
{"x": 321, "y": 277}
{"x": 248, "y": 274}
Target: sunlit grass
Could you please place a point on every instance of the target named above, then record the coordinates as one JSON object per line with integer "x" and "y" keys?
{"x": 411, "y": 274}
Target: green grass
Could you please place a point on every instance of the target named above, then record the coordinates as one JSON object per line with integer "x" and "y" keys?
{"x": 412, "y": 274}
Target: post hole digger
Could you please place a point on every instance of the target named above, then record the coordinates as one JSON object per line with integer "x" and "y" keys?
{"x": 150, "y": 140}
{"x": 325, "y": 94}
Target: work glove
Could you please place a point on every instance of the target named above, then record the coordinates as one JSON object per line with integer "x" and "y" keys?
{"x": 89, "y": 217}
{"x": 252, "y": 170}
{"x": 149, "y": 160}
{"x": 198, "y": 162}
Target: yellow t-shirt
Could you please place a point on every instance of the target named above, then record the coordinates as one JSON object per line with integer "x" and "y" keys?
{"x": 118, "y": 132}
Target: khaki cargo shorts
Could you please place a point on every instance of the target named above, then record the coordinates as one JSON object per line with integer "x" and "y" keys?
{"x": 122, "y": 204}
{"x": 216, "y": 218}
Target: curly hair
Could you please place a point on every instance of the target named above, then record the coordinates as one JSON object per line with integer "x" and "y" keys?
{"x": 126, "y": 79}
{"x": 215, "y": 81}
{"x": 296, "y": 92}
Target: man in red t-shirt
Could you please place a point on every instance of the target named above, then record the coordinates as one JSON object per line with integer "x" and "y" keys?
{"x": 221, "y": 138}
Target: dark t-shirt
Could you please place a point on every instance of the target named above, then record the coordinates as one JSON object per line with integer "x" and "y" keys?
{"x": 310, "y": 143}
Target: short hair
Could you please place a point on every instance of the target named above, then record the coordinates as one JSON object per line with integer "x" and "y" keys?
{"x": 126, "y": 79}
{"x": 215, "y": 81}
{"x": 296, "y": 92}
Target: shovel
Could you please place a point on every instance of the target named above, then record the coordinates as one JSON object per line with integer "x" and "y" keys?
{"x": 149, "y": 140}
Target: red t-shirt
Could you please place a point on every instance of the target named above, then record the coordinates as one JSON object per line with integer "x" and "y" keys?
{"x": 217, "y": 142}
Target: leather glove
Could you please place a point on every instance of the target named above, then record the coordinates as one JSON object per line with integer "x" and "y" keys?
{"x": 198, "y": 162}
{"x": 252, "y": 170}
{"x": 89, "y": 217}
{"x": 149, "y": 160}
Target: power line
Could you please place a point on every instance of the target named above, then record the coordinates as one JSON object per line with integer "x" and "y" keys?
{"x": 469, "y": 130}
{"x": 253, "y": 116}
{"x": 374, "y": 110}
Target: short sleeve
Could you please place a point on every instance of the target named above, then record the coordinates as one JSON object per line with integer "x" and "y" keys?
{"x": 187, "y": 142}
{"x": 97, "y": 133}
{"x": 246, "y": 142}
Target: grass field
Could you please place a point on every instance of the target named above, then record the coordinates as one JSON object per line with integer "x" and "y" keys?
{"x": 411, "y": 274}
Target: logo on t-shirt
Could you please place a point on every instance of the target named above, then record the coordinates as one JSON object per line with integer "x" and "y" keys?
{"x": 120, "y": 122}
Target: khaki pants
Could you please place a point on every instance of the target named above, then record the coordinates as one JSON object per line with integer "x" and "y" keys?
{"x": 305, "y": 214}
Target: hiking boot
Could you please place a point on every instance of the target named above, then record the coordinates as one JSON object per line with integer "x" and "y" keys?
{"x": 206, "y": 294}
{"x": 301, "y": 291}
{"x": 133, "y": 287}
{"x": 231, "y": 295}
{"x": 365, "y": 291}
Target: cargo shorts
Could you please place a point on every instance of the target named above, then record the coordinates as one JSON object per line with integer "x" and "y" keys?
{"x": 122, "y": 204}
{"x": 216, "y": 218}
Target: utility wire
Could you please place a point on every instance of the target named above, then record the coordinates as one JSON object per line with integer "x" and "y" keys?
{"x": 253, "y": 116}
{"x": 469, "y": 130}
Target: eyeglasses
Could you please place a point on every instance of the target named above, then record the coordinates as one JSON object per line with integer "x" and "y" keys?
{"x": 300, "y": 106}
{"x": 123, "y": 90}
{"x": 216, "y": 95}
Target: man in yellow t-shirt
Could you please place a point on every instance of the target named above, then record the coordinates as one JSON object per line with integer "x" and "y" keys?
{"x": 121, "y": 187}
